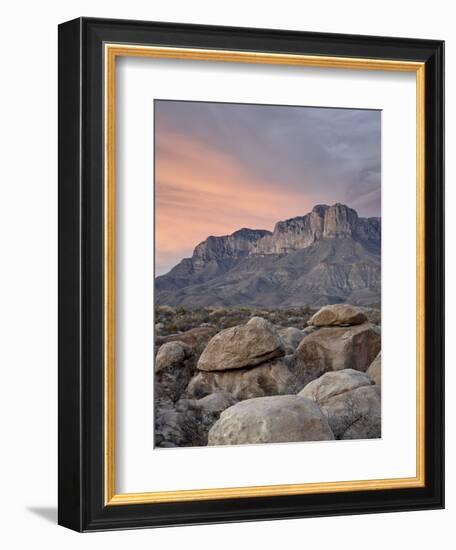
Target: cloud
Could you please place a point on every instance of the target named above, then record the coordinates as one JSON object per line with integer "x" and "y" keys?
{"x": 220, "y": 167}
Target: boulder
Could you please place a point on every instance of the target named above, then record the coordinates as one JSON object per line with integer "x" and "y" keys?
{"x": 271, "y": 378}
{"x": 334, "y": 383}
{"x": 352, "y": 414}
{"x": 308, "y": 330}
{"x": 374, "y": 315}
{"x": 337, "y": 348}
{"x": 375, "y": 370}
{"x": 290, "y": 361}
{"x": 275, "y": 419}
{"x": 174, "y": 368}
{"x": 196, "y": 338}
{"x": 242, "y": 346}
{"x": 170, "y": 354}
{"x": 291, "y": 338}
{"x": 212, "y": 403}
{"x": 338, "y": 314}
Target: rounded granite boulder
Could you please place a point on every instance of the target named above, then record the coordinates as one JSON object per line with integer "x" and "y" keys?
{"x": 350, "y": 401}
{"x": 338, "y": 314}
{"x": 275, "y": 419}
{"x": 337, "y": 348}
{"x": 242, "y": 346}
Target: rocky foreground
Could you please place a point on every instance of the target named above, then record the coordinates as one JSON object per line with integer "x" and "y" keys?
{"x": 260, "y": 382}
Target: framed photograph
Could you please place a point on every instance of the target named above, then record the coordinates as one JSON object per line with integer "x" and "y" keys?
{"x": 251, "y": 303}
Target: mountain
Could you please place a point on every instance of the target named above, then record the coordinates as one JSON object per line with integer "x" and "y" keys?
{"x": 330, "y": 255}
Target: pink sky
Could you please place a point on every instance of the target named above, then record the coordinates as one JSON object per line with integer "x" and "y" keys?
{"x": 201, "y": 192}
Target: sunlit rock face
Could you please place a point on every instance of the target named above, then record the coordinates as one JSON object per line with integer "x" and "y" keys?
{"x": 329, "y": 255}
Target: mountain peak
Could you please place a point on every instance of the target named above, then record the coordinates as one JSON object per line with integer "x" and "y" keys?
{"x": 336, "y": 221}
{"x": 327, "y": 234}
{"x": 322, "y": 222}
{"x": 320, "y": 209}
{"x": 253, "y": 234}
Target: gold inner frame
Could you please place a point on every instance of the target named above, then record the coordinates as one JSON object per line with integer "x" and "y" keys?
{"x": 111, "y": 52}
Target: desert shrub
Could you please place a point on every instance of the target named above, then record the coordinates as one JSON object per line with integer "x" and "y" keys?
{"x": 181, "y": 319}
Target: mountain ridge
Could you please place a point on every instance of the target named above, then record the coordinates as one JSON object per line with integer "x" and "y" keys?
{"x": 329, "y": 255}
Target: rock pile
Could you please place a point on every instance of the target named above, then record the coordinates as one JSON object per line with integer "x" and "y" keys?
{"x": 258, "y": 383}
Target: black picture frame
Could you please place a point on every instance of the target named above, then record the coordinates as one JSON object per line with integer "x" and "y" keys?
{"x": 81, "y": 472}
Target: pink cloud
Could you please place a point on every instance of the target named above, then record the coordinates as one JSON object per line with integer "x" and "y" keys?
{"x": 200, "y": 192}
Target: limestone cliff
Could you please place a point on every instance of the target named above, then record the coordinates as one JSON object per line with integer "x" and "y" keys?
{"x": 329, "y": 255}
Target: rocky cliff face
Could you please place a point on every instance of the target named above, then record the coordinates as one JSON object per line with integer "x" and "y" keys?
{"x": 241, "y": 243}
{"x": 322, "y": 223}
{"x": 327, "y": 256}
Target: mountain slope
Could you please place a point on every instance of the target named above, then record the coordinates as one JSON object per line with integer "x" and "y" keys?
{"x": 327, "y": 256}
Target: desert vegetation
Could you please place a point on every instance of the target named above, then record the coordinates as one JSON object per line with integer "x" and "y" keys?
{"x": 170, "y": 320}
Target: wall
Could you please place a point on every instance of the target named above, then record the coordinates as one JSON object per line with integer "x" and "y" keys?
{"x": 28, "y": 303}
